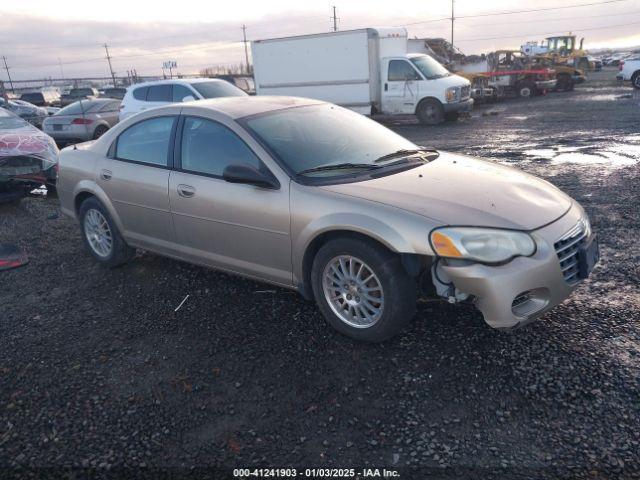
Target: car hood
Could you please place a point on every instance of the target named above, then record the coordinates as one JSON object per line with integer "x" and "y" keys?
{"x": 459, "y": 190}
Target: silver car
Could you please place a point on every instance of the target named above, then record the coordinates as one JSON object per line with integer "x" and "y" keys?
{"x": 314, "y": 197}
{"x": 82, "y": 120}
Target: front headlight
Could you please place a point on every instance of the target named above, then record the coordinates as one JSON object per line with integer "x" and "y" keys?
{"x": 452, "y": 94}
{"x": 485, "y": 245}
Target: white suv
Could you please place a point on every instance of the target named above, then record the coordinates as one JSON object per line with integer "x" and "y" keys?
{"x": 630, "y": 71}
{"x": 142, "y": 96}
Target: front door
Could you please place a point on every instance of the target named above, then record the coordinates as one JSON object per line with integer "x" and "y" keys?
{"x": 135, "y": 177}
{"x": 400, "y": 87}
{"x": 233, "y": 226}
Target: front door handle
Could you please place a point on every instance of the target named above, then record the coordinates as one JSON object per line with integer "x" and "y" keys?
{"x": 186, "y": 191}
{"x": 386, "y": 87}
{"x": 106, "y": 174}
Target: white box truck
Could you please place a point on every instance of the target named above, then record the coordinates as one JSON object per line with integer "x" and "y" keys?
{"x": 366, "y": 70}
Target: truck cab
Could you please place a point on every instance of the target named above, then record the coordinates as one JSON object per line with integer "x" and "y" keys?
{"x": 412, "y": 79}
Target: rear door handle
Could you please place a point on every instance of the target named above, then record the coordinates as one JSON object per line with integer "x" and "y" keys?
{"x": 106, "y": 174}
{"x": 186, "y": 191}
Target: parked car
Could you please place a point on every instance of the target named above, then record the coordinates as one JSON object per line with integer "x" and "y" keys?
{"x": 114, "y": 92}
{"x": 25, "y": 110}
{"x": 630, "y": 71}
{"x": 146, "y": 95}
{"x": 367, "y": 70}
{"x": 28, "y": 157}
{"x": 46, "y": 98}
{"x": 76, "y": 94}
{"x": 83, "y": 120}
{"x": 317, "y": 198}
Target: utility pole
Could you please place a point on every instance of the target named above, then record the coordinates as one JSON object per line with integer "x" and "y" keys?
{"x": 453, "y": 18}
{"x": 113, "y": 75}
{"x": 246, "y": 51}
{"x": 335, "y": 20}
{"x": 8, "y": 74}
{"x": 61, "y": 71}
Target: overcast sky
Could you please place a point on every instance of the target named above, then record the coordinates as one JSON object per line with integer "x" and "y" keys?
{"x": 42, "y": 38}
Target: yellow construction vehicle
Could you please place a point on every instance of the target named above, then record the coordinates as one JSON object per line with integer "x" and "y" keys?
{"x": 562, "y": 50}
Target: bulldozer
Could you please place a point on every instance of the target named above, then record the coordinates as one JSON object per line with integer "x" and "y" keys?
{"x": 561, "y": 50}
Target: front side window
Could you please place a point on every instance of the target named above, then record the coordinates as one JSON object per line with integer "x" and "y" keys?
{"x": 146, "y": 141}
{"x": 209, "y": 147}
{"x": 215, "y": 89}
{"x": 401, "y": 70}
{"x": 159, "y": 93}
{"x": 429, "y": 67}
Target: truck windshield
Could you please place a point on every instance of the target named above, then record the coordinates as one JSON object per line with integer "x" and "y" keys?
{"x": 429, "y": 67}
{"x": 305, "y": 138}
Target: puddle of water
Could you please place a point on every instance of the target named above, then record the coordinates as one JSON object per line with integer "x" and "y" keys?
{"x": 609, "y": 158}
{"x": 517, "y": 117}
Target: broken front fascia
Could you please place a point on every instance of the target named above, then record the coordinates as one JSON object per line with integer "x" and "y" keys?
{"x": 26, "y": 153}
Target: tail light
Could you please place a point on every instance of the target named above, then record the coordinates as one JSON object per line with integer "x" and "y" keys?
{"x": 621, "y": 65}
{"x": 82, "y": 121}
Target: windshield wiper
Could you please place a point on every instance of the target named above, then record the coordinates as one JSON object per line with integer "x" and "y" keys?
{"x": 406, "y": 153}
{"x": 339, "y": 166}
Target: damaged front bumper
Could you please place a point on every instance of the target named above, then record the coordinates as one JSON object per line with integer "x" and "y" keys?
{"x": 522, "y": 290}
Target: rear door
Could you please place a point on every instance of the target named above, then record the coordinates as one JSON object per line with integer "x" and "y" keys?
{"x": 400, "y": 86}
{"x": 135, "y": 177}
{"x": 237, "y": 227}
{"x": 158, "y": 95}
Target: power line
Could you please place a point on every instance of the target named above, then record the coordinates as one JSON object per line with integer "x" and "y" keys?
{"x": 546, "y": 33}
{"x": 513, "y": 12}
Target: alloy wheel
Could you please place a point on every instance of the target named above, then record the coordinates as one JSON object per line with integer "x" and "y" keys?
{"x": 98, "y": 233}
{"x": 353, "y": 291}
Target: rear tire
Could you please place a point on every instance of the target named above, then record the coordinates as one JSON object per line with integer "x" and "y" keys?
{"x": 387, "y": 300}
{"x": 430, "y": 112}
{"x": 635, "y": 80}
{"x": 101, "y": 236}
{"x": 99, "y": 131}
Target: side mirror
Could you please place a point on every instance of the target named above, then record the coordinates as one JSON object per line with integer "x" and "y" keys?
{"x": 188, "y": 98}
{"x": 249, "y": 175}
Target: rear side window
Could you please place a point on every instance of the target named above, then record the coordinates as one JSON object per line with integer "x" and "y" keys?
{"x": 146, "y": 141}
{"x": 111, "y": 107}
{"x": 209, "y": 147}
{"x": 180, "y": 91}
{"x": 140, "y": 93}
{"x": 159, "y": 93}
{"x": 217, "y": 89}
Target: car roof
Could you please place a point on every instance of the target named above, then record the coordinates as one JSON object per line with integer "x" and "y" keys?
{"x": 183, "y": 81}
{"x": 239, "y": 107}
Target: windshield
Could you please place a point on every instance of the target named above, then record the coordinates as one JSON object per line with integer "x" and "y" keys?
{"x": 217, "y": 89}
{"x": 309, "y": 137}
{"x": 429, "y": 67}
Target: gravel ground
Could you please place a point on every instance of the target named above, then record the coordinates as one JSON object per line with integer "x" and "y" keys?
{"x": 98, "y": 372}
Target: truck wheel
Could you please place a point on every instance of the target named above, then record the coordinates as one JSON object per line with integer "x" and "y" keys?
{"x": 526, "y": 90}
{"x": 635, "y": 80}
{"x": 362, "y": 289}
{"x": 101, "y": 236}
{"x": 430, "y": 112}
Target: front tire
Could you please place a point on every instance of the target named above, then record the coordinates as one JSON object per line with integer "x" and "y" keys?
{"x": 362, "y": 289}
{"x": 101, "y": 236}
{"x": 430, "y": 112}
{"x": 99, "y": 131}
{"x": 635, "y": 80}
